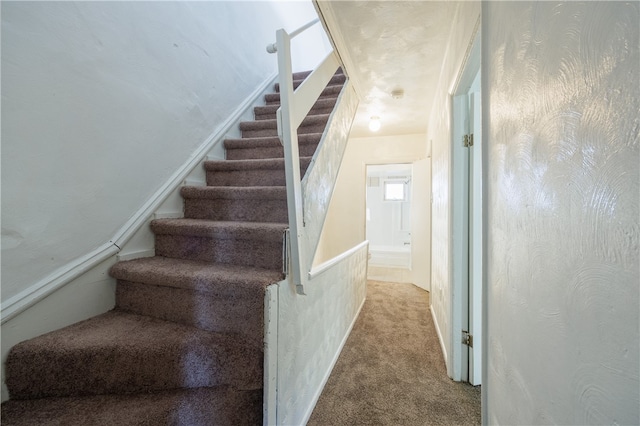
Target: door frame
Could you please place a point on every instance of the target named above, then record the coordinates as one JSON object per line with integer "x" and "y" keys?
{"x": 459, "y": 220}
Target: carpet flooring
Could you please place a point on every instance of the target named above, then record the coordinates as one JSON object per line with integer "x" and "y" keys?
{"x": 391, "y": 370}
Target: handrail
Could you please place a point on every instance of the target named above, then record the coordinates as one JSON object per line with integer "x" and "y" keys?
{"x": 304, "y": 27}
{"x": 323, "y": 267}
{"x": 294, "y": 106}
{"x": 273, "y": 47}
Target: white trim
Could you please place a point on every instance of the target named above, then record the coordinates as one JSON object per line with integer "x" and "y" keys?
{"x": 121, "y": 257}
{"x": 323, "y": 267}
{"x": 68, "y": 272}
{"x": 316, "y": 396}
{"x": 440, "y": 339}
{"x": 168, "y": 215}
{"x": 459, "y": 199}
{"x": 328, "y": 19}
{"x": 484, "y": 79}
{"x": 52, "y": 282}
{"x": 194, "y": 182}
{"x": 471, "y": 61}
{"x": 270, "y": 398}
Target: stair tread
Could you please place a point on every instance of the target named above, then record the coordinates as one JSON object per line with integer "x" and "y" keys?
{"x": 258, "y": 231}
{"x": 123, "y": 352}
{"x": 216, "y": 278}
{"x": 324, "y": 102}
{"x": 197, "y": 407}
{"x": 309, "y": 120}
{"x": 241, "y": 143}
{"x": 252, "y": 164}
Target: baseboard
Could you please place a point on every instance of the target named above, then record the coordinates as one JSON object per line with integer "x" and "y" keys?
{"x": 168, "y": 215}
{"x": 440, "y": 339}
{"x": 68, "y": 272}
{"x": 135, "y": 255}
{"x": 316, "y": 396}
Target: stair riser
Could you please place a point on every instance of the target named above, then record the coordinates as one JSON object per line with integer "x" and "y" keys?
{"x": 74, "y": 372}
{"x": 260, "y": 177}
{"x": 261, "y": 254}
{"x": 268, "y": 152}
{"x": 181, "y": 407}
{"x": 241, "y": 315}
{"x": 273, "y": 131}
{"x": 237, "y": 210}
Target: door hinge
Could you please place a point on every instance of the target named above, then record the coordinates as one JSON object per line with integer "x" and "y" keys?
{"x": 467, "y": 140}
{"x": 467, "y": 339}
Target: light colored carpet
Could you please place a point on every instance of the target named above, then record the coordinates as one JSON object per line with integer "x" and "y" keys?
{"x": 391, "y": 370}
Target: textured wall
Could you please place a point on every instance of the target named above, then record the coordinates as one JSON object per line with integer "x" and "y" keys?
{"x": 562, "y": 131}
{"x": 319, "y": 182}
{"x": 311, "y": 329}
{"x": 462, "y": 27}
{"x": 103, "y": 101}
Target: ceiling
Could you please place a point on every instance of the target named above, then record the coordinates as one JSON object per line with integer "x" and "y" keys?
{"x": 387, "y": 46}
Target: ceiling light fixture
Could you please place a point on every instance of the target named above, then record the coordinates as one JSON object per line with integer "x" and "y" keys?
{"x": 374, "y": 123}
{"x": 397, "y": 94}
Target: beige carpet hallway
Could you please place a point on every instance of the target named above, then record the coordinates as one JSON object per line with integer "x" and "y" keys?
{"x": 391, "y": 370}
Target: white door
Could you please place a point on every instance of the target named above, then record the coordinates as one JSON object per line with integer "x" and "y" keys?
{"x": 475, "y": 238}
{"x": 465, "y": 362}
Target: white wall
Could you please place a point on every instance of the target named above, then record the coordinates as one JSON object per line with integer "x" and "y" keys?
{"x": 440, "y": 135}
{"x": 312, "y": 330}
{"x": 309, "y": 47}
{"x": 345, "y": 223}
{"x": 562, "y": 154}
{"x": 102, "y": 101}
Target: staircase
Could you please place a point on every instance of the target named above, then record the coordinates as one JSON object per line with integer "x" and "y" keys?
{"x": 184, "y": 343}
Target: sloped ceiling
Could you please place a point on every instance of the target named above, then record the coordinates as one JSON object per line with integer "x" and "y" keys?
{"x": 387, "y": 46}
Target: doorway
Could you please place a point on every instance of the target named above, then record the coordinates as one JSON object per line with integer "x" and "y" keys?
{"x": 466, "y": 312}
{"x": 388, "y": 221}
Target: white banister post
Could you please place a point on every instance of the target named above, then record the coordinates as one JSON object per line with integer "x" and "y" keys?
{"x": 288, "y": 134}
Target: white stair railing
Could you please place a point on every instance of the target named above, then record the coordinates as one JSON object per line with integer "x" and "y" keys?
{"x": 294, "y": 107}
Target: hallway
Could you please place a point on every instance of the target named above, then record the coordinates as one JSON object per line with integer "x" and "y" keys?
{"x": 391, "y": 370}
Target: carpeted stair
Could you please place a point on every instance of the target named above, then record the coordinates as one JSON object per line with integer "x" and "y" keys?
{"x": 184, "y": 343}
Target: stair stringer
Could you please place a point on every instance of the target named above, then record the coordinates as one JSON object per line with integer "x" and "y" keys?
{"x": 321, "y": 176}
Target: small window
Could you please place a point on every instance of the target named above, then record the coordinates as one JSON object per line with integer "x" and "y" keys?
{"x": 394, "y": 191}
